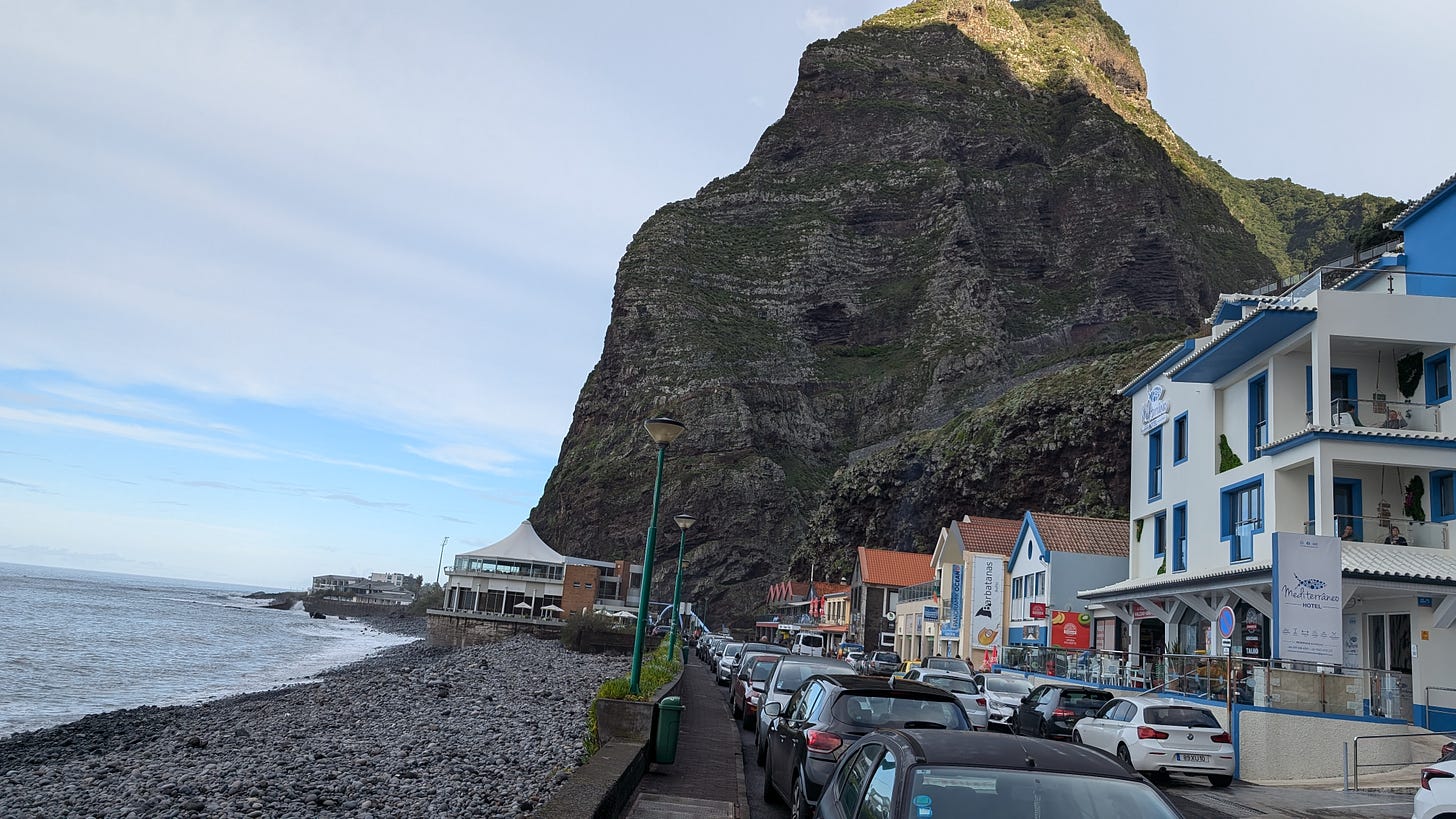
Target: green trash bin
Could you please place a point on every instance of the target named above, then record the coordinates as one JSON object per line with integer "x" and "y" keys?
{"x": 669, "y": 719}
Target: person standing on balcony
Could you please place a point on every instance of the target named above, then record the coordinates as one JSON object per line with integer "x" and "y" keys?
{"x": 1349, "y": 533}
{"x": 1396, "y": 538}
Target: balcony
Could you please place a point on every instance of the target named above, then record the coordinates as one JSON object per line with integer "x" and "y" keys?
{"x": 920, "y": 591}
{"x": 1350, "y": 413}
{"x": 1365, "y": 529}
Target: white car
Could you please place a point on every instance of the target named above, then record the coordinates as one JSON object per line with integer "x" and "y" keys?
{"x": 727, "y": 663}
{"x": 1160, "y": 736}
{"x": 962, "y": 685}
{"x": 1437, "y": 795}
{"x": 1003, "y": 696}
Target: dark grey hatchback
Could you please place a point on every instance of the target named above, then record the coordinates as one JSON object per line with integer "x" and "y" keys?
{"x": 807, "y": 735}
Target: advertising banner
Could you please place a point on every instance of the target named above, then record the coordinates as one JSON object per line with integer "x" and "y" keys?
{"x": 1071, "y": 629}
{"x": 1308, "y": 598}
{"x": 950, "y": 625}
{"x": 931, "y": 613}
{"x": 1038, "y": 611}
{"x": 987, "y": 590}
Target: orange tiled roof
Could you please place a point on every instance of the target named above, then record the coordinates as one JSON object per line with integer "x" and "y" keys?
{"x": 826, "y": 589}
{"x": 886, "y": 567}
{"x": 994, "y": 536}
{"x": 1083, "y": 536}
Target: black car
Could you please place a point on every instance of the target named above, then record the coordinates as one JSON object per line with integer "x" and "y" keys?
{"x": 1053, "y": 710}
{"x": 961, "y": 775}
{"x": 827, "y": 714}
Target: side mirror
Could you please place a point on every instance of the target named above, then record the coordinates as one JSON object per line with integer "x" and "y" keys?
{"x": 773, "y": 709}
{"x": 1027, "y": 700}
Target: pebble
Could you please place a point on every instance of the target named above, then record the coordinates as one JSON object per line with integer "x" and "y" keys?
{"x": 373, "y": 738}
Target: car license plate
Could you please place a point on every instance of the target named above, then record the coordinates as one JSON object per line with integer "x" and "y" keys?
{"x": 1190, "y": 757}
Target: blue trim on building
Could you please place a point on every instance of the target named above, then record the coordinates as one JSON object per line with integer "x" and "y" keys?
{"x": 1238, "y": 346}
{"x": 1157, "y": 370}
{"x": 1160, "y": 534}
{"x": 1180, "y": 438}
{"x": 1308, "y": 388}
{"x": 1357, "y": 504}
{"x": 1155, "y": 464}
{"x": 1028, "y": 524}
{"x": 1442, "y": 480}
{"x": 1359, "y": 279}
{"x": 1225, "y": 515}
{"x": 1310, "y": 495}
{"x": 1352, "y": 381}
{"x": 1180, "y": 537}
{"x": 1258, "y": 389}
{"x": 1314, "y": 435}
{"x": 1429, "y": 200}
{"x": 1438, "y": 365}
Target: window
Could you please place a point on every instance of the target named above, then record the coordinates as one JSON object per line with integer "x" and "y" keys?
{"x": 1155, "y": 465}
{"x": 1160, "y": 534}
{"x": 1438, "y": 378}
{"x": 1180, "y": 537}
{"x": 1258, "y": 413}
{"x": 879, "y": 796}
{"x": 1241, "y": 517}
{"x": 852, "y": 777}
{"x": 1443, "y": 495}
{"x": 1180, "y": 439}
{"x": 1040, "y": 583}
{"x": 1015, "y": 588}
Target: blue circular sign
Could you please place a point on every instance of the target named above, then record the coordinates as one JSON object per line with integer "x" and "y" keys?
{"x": 1226, "y": 622}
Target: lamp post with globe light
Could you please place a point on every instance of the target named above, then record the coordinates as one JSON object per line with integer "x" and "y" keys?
{"x": 663, "y": 431}
{"x": 683, "y": 522}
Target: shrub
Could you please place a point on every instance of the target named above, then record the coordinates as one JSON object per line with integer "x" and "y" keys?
{"x": 1226, "y": 458}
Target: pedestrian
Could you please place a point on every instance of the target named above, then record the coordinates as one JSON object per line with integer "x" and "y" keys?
{"x": 1349, "y": 533}
{"x": 1396, "y": 538}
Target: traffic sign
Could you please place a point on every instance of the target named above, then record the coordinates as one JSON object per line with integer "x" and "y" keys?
{"x": 1226, "y": 622}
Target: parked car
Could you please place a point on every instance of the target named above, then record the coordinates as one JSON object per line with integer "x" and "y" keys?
{"x": 1053, "y": 710}
{"x": 723, "y": 668}
{"x": 808, "y": 643}
{"x": 955, "y": 774}
{"x": 728, "y": 666}
{"x": 787, "y": 676}
{"x": 880, "y": 662}
{"x": 1004, "y": 693}
{"x": 748, "y": 685}
{"x": 955, "y": 664}
{"x": 853, "y": 658}
{"x": 827, "y": 714}
{"x": 904, "y": 668}
{"x": 962, "y": 685}
{"x": 1158, "y": 735}
{"x": 1436, "y": 797}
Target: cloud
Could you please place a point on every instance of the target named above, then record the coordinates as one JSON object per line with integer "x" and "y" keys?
{"x": 478, "y": 458}
{"x": 818, "y": 21}
{"x": 27, "y": 486}
{"x": 135, "y": 432}
{"x": 456, "y": 520}
{"x": 358, "y": 501}
{"x": 214, "y": 485}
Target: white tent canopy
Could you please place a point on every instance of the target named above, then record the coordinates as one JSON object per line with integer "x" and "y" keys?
{"x": 522, "y": 544}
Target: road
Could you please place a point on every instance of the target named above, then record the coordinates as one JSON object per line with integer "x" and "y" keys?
{"x": 1194, "y": 798}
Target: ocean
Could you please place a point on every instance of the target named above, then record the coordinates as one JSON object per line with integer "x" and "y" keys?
{"x": 77, "y": 642}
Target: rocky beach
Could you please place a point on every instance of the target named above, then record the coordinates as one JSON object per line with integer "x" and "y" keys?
{"x": 487, "y": 731}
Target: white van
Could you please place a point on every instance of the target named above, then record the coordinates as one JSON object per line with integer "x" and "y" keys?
{"x": 808, "y": 643}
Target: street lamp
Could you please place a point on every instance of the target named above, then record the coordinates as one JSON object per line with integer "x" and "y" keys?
{"x": 663, "y": 431}
{"x": 683, "y": 522}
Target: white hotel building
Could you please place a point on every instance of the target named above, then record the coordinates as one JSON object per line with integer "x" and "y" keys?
{"x": 1325, "y": 410}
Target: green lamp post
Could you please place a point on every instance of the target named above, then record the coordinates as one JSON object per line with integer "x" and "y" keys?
{"x": 663, "y": 431}
{"x": 683, "y": 522}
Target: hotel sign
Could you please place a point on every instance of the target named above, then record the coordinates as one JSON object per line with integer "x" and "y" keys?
{"x": 1155, "y": 409}
{"x": 1308, "y": 598}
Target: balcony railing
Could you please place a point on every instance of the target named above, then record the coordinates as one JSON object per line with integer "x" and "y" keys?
{"x": 1360, "y": 412}
{"x": 920, "y": 591}
{"x": 1366, "y": 529}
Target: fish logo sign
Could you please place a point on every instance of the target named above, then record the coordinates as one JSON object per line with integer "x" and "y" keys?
{"x": 1309, "y": 583}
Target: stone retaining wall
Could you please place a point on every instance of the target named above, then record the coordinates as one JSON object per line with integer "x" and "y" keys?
{"x": 457, "y": 630}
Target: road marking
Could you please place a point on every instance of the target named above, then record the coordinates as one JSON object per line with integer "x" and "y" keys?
{"x": 1365, "y": 805}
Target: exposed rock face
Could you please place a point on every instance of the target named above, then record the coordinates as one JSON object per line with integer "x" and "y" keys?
{"x": 949, "y": 200}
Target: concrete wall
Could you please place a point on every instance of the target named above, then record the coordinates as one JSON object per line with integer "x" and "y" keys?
{"x": 1275, "y": 746}
{"x": 460, "y": 630}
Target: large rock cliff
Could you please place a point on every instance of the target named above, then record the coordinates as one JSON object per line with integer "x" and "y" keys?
{"x": 914, "y": 300}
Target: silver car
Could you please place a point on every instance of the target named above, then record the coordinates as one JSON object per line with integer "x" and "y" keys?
{"x": 1003, "y": 696}
{"x": 726, "y": 663}
{"x": 785, "y": 680}
{"x": 962, "y": 685}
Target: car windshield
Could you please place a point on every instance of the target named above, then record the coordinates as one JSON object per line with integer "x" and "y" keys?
{"x": 886, "y": 657}
{"x": 955, "y": 685}
{"x": 766, "y": 648}
{"x": 971, "y": 793}
{"x": 733, "y": 650}
{"x": 948, "y": 664}
{"x": 811, "y": 640}
{"x": 792, "y": 675}
{"x": 1082, "y": 698}
{"x": 762, "y": 669}
{"x": 887, "y": 711}
{"x": 1008, "y": 685}
{"x": 1180, "y": 716}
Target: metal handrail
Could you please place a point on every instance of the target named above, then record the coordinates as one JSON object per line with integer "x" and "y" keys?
{"x": 1356, "y": 766}
{"x": 1377, "y": 528}
{"x": 1429, "y": 689}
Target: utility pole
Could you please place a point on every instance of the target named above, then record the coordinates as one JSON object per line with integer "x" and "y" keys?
{"x": 440, "y": 564}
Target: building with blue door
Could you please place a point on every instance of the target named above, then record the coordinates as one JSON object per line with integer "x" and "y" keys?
{"x": 1324, "y": 409}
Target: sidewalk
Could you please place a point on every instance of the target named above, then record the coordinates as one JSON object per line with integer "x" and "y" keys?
{"x": 706, "y": 780}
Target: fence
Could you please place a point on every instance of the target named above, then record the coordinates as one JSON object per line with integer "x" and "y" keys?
{"x": 1246, "y": 680}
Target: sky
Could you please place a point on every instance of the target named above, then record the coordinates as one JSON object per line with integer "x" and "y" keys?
{"x": 291, "y": 289}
